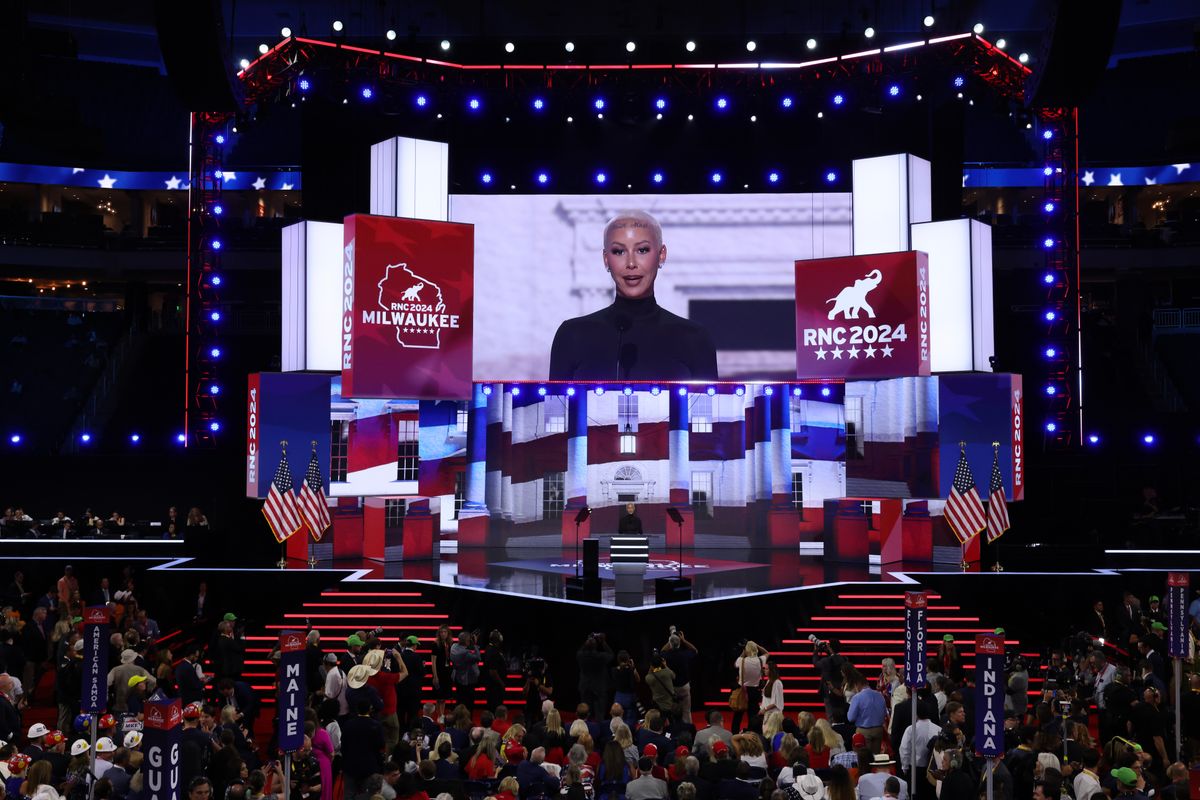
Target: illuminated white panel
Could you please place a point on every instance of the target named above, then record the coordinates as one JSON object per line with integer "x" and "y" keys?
{"x": 890, "y": 193}
{"x": 312, "y": 263}
{"x": 960, "y": 293}
{"x": 410, "y": 178}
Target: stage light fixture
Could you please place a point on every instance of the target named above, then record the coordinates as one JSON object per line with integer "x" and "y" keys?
{"x": 754, "y": 118}
{"x": 628, "y": 390}
{"x": 630, "y": 47}
{"x": 715, "y": 177}
{"x": 570, "y": 119}
{"x": 218, "y": 210}
{"x": 473, "y": 104}
{"x": 15, "y": 438}
{"x": 215, "y": 352}
{"x": 391, "y": 35}
{"x": 722, "y": 103}
{"x": 598, "y": 104}
{"x": 367, "y": 93}
{"x": 657, "y": 177}
{"x": 181, "y": 438}
{"x": 1051, "y": 427}
{"x": 569, "y": 47}
{"x": 894, "y": 90}
{"x": 660, "y": 103}
{"x": 1047, "y": 171}
{"x": 599, "y": 390}
{"x": 216, "y": 280}
{"x": 543, "y": 178}
{"x": 421, "y": 101}
{"x": 214, "y": 426}
{"x": 215, "y": 316}
{"x": 337, "y": 25}
{"x": 691, "y": 117}
{"x": 929, "y": 20}
{"x": 811, "y": 44}
{"x": 690, "y": 47}
{"x": 978, "y": 28}
{"x": 740, "y": 391}
{"x": 601, "y": 178}
{"x": 786, "y": 102}
{"x": 516, "y": 390}
{"x": 1048, "y": 278}
{"x": 797, "y": 391}
{"x": 216, "y": 244}
{"x": 285, "y": 32}
{"x": 304, "y": 85}
{"x": 768, "y": 391}
{"x": 219, "y": 138}
{"x": 487, "y": 391}
{"x": 826, "y": 391}
{"x": 1148, "y": 439}
{"x": 244, "y": 63}
{"x": 509, "y": 47}
{"x": 839, "y": 98}
{"x": 1048, "y": 243}
{"x": 85, "y": 437}
{"x": 1049, "y": 207}
{"x": 831, "y": 177}
{"x": 1048, "y": 134}
{"x": 1023, "y": 58}
{"x": 959, "y": 81}
{"x": 1050, "y": 390}
{"x": 485, "y": 177}
{"x": 263, "y": 49}
{"x": 135, "y": 437}
{"x": 1051, "y": 352}
{"x": 541, "y": 391}
{"x": 919, "y": 98}
{"x": 445, "y": 45}
{"x": 1093, "y": 439}
{"x": 570, "y": 391}
{"x": 1001, "y": 43}
{"x": 538, "y": 104}
{"x": 711, "y": 391}
{"x": 751, "y": 46}
{"x": 869, "y": 33}
{"x": 773, "y": 177}
{"x": 654, "y": 390}
{"x": 682, "y": 391}
{"x": 1051, "y": 316}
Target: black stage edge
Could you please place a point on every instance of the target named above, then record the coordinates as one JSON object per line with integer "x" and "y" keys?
{"x": 672, "y": 590}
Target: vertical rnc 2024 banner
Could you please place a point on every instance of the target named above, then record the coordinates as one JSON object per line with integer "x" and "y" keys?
{"x": 407, "y": 308}
{"x": 94, "y": 686}
{"x": 290, "y": 699}
{"x": 916, "y": 604}
{"x": 1177, "y": 615}
{"x": 989, "y": 694}
{"x": 161, "y": 720}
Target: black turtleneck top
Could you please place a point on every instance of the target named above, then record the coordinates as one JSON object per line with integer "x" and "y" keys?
{"x": 632, "y": 340}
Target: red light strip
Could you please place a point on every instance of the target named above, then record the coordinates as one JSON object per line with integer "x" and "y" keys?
{"x": 884, "y": 608}
{"x": 361, "y": 49}
{"x": 319, "y": 604}
{"x": 315, "y": 41}
{"x": 882, "y": 597}
{"x": 404, "y": 57}
{"x": 652, "y": 66}
{"x": 350, "y": 628}
{"x": 483, "y": 66}
{"x": 437, "y": 63}
{"x": 891, "y": 619}
{"x": 357, "y": 616}
{"x": 371, "y": 594}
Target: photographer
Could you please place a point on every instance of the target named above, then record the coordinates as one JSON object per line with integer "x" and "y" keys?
{"x": 495, "y": 669}
{"x": 594, "y": 659}
{"x": 229, "y": 649}
{"x": 538, "y": 688}
{"x": 464, "y": 656}
{"x": 661, "y": 681}
{"x": 948, "y": 766}
{"x": 829, "y": 663}
{"x": 679, "y": 654}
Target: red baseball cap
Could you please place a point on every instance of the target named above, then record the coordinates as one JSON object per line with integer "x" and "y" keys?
{"x": 682, "y": 750}
{"x": 858, "y": 740}
{"x": 719, "y": 746}
{"x": 651, "y": 750}
{"x": 191, "y": 711}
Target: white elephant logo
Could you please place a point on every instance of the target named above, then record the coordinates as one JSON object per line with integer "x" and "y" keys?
{"x": 413, "y": 294}
{"x": 852, "y": 299}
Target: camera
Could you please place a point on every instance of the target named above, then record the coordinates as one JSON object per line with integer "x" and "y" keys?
{"x": 818, "y": 643}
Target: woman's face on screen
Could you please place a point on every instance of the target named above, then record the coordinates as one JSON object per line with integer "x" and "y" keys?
{"x": 633, "y": 257}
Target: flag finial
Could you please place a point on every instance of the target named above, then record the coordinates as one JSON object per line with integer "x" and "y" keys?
{"x": 314, "y": 445}
{"x": 962, "y": 445}
{"x": 995, "y": 444}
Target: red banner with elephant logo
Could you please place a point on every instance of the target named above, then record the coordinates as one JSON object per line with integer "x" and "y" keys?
{"x": 863, "y": 316}
{"x": 407, "y": 308}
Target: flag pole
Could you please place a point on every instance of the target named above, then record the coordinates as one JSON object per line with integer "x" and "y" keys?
{"x": 997, "y": 567}
{"x": 282, "y": 563}
{"x": 962, "y": 547}
{"x": 312, "y": 555}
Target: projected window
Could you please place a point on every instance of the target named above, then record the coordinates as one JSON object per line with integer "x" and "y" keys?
{"x": 553, "y": 495}
{"x": 627, "y": 422}
{"x": 460, "y": 492}
{"x": 461, "y": 418}
{"x": 702, "y": 414}
{"x": 555, "y": 411}
{"x": 854, "y": 428}
{"x": 339, "y": 447}
{"x": 798, "y": 492}
{"x": 408, "y": 459}
{"x": 394, "y": 511}
{"x": 702, "y": 493}
{"x": 797, "y": 415}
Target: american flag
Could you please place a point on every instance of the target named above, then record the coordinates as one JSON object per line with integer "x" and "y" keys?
{"x": 964, "y": 509}
{"x": 280, "y": 509}
{"x": 313, "y": 507}
{"x": 997, "y": 511}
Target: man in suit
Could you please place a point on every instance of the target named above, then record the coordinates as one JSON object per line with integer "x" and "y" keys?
{"x": 1094, "y": 623}
{"x": 362, "y": 749}
{"x": 187, "y": 677}
{"x": 531, "y": 774}
{"x": 408, "y": 692}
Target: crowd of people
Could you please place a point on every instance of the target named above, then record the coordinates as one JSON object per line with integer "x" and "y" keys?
{"x": 17, "y": 524}
{"x": 1097, "y": 728}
